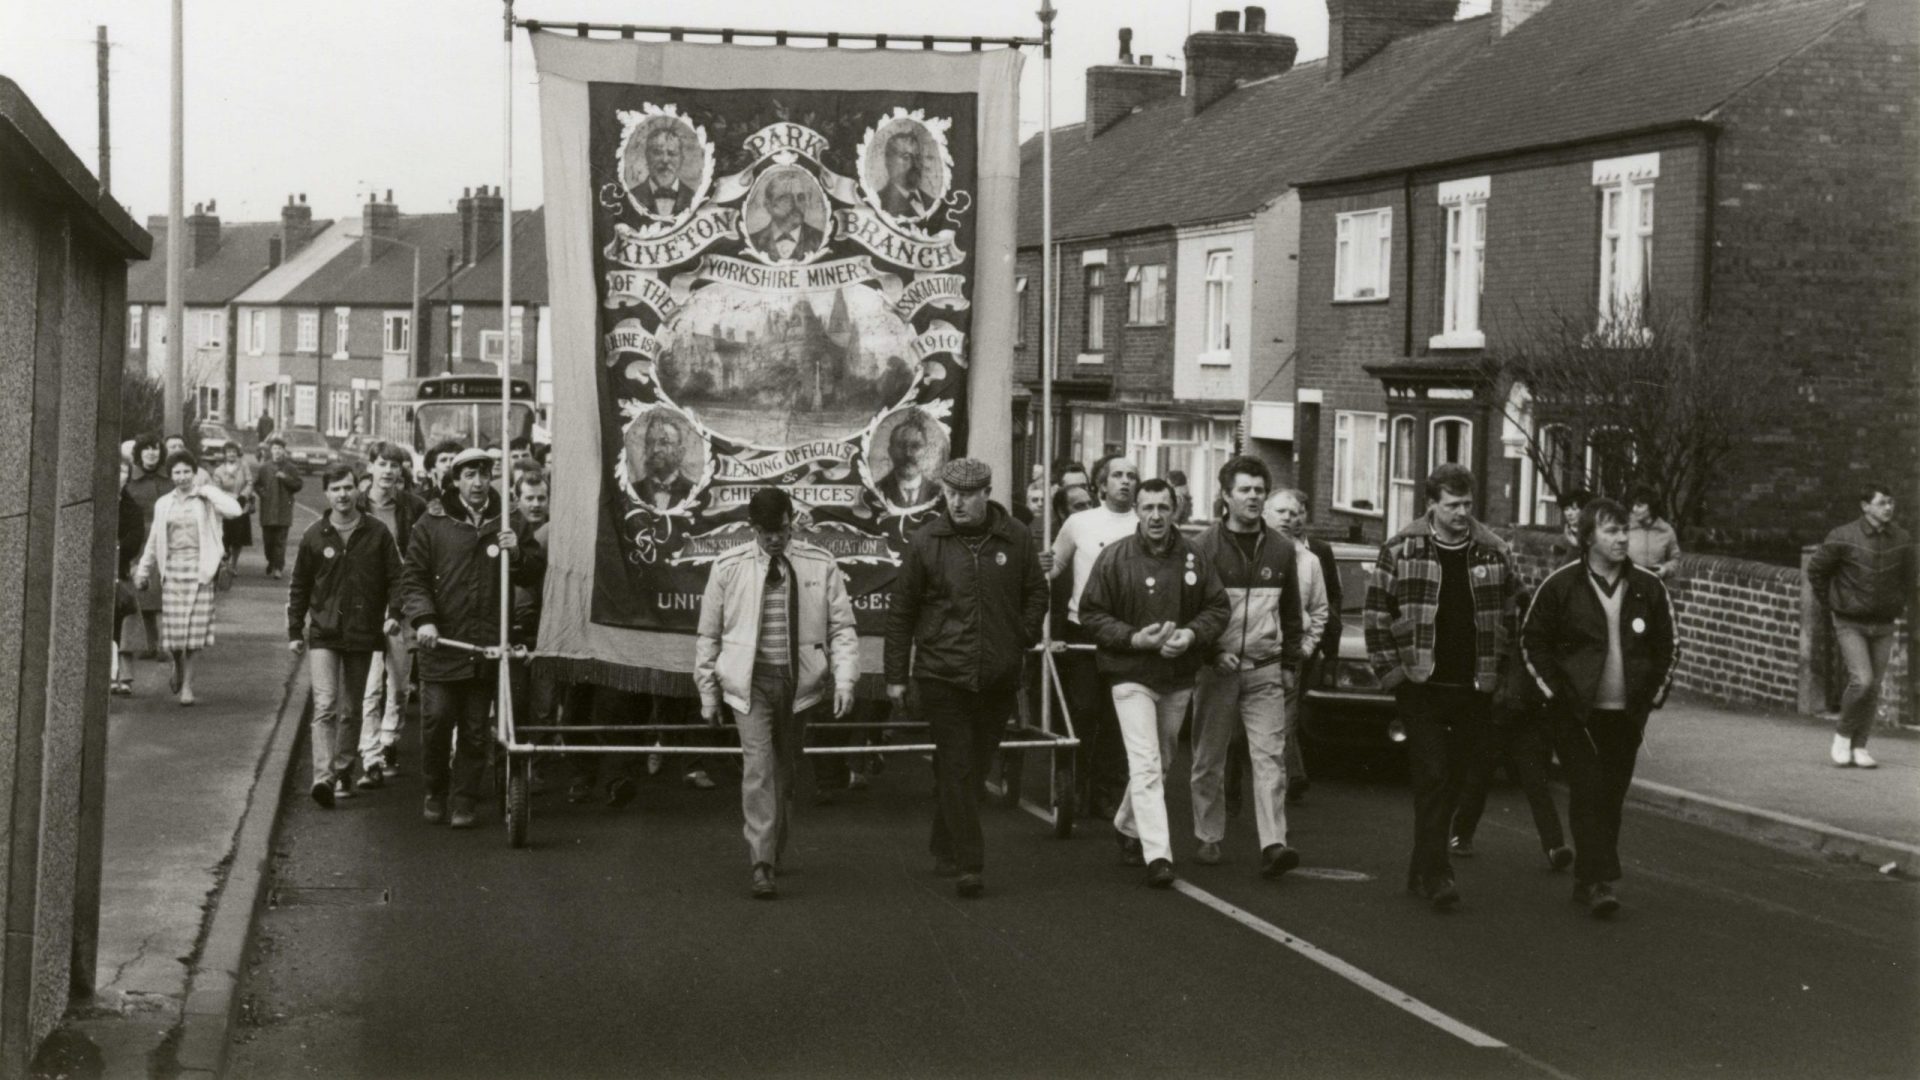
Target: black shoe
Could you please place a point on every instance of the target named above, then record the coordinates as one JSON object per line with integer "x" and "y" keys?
{"x": 1601, "y": 903}
{"x": 1461, "y": 846}
{"x": 945, "y": 868}
{"x": 434, "y": 810}
{"x": 323, "y": 794}
{"x": 1277, "y": 859}
{"x": 1159, "y": 874}
{"x": 619, "y": 793}
{"x": 1442, "y": 894}
{"x": 1131, "y": 853}
{"x": 763, "y": 886}
{"x": 970, "y": 885}
{"x": 1559, "y": 858}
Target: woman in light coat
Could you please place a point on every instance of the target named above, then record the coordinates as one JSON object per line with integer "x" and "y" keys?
{"x": 184, "y": 549}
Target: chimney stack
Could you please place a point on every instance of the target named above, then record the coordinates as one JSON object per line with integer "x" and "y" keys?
{"x": 296, "y": 225}
{"x": 480, "y": 224}
{"x": 1223, "y": 58}
{"x": 377, "y": 219}
{"x": 1508, "y": 14}
{"x": 203, "y": 234}
{"x": 1357, "y": 29}
{"x": 1115, "y": 90}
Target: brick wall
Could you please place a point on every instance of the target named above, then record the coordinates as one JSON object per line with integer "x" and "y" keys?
{"x": 1739, "y": 629}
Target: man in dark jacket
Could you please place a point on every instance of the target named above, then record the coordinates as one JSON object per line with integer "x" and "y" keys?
{"x": 1257, "y": 657}
{"x": 387, "y": 500}
{"x": 341, "y": 605}
{"x": 1154, "y": 609}
{"x": 968, "y": 600}
{"x": 274, "y": 484}
{"x": 1599, "y": 639}
{"x": 450, "y": 587}
{"x": 1862, "y": 575}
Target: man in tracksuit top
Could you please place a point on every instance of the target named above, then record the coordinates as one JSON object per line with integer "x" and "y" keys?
{"x": 1599, "y": 639}
{"x": 1253, "y": 667}
{"x": 1154, "y": 609}
{"x": 968, "y": 600}
{"x": 450, "y": 587}
{"x": 342, "y": 603}
{"x": 1862, "y": 575}
{"x": 1440, "y": 610}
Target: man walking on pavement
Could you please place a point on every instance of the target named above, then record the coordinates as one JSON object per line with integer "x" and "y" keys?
{"x": 388, "y": 501}
{"x": 776, "y": 625}
{"x": 968, "y": 600}
{"x": 1439, "y": 614}
{"x": 1246, "y": 684}
{"x": 1075, "y": 548}
{"x": 1154, "y": 607}
{"x": 342, "y": 604}
{"x": 274, "y": 484}
{"x": 1599, "y": 639}
{"x": 450, "y": 586}
{"x": 1862, "y": 575}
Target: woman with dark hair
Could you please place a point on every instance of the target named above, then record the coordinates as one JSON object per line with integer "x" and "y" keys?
{"x": 184, "y": 551}
{"x": 234, "y": 478}
{"x": 1652, "y": 544}
{"x": 146, "y": 482}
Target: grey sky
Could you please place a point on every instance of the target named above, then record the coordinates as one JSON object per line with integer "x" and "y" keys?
{"x": 339, "y": 97}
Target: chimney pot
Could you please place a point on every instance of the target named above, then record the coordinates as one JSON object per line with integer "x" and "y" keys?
{"x": 1226, "y": 22}
{"x": 1357, "y": 29}
{"x": 1146, "y": 59}
{"x": 303, "y": 198}
{"x": 1126, "y": 44}
{"x": 1219, "y": 60}
{"x": 1256, "y": 20}
{"x": 389, "y": 194}
{"x": 1114, "y": 91}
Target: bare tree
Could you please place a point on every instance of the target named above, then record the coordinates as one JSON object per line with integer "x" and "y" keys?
{"x": 1657, "y": 397}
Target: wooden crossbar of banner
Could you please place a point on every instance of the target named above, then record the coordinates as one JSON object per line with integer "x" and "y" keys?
{"x": 727, "y": 35}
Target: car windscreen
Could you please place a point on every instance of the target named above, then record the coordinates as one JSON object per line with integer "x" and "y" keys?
{"x": 305, "y": 438}
{"x": 1353, "y": 585}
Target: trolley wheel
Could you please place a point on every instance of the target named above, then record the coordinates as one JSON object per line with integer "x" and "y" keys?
{"x": 1013, "y": 766}
{"x": 519, "y": 772}
{"x": 1063, "y": 794}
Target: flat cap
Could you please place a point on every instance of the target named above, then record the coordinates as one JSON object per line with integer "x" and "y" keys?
{"x": 967, "y": 474}
{"x": 469, "y": 457}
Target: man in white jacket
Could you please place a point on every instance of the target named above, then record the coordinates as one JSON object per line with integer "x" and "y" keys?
{"x": 775, "y": 623}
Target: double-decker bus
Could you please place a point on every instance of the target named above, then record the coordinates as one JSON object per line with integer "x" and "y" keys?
{"x": 422, "y": 412}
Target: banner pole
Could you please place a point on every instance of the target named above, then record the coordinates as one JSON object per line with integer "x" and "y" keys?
{"x": 503, "y": 707}
{"x": 1047, "y": 13}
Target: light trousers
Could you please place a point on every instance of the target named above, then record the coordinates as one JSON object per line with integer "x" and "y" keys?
{"x": 339, "y": 683}
{"x": 1149, "y": 729}
{"x": 1865, "y": 648}
{"x": 385, "y": 702}
{"x": 769, "y": 747}
{"x": 1256, "y": 702}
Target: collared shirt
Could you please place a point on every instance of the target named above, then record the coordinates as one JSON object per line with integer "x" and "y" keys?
{"x": 776, "y": 647}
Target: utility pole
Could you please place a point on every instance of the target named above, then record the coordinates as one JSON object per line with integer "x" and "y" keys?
{"x": 106, "y": 143}
{"x": 175, "y": 421}
{"x": 449, "y": 280}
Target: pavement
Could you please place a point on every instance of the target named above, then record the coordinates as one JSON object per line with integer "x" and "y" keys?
{"x": 194, "y": 796}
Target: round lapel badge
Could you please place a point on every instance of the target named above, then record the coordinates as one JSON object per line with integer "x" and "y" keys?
{"x": 1000, "y": 558}
{"x": 1639, "y": 625}
{"x": 1149, "y": 583}
{"x": 1193, "y": 578}
{"x": 1480, "y": 571}
{"x": 1266, "y": 573}
{"x": 493, "y": 551}
{"x": 328, "y": 552}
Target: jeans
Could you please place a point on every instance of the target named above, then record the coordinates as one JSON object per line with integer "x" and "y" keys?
{"x": 1864, "y": 647}
{"x": 1443, "y": 725}
{"x": 386, "y": 696}
{"x": 455, "y": 716}
{"x": 1597, "y": 760}
{"x": 339, "y": 681}
{"x": 1524, "y": 744}
{"x": 1225, "y": 703}
{"x": 273, "y": 544}
{"x": 1149, "y": 722}
{"x": 965, "y": 726}
{"x": 769, "y": 747}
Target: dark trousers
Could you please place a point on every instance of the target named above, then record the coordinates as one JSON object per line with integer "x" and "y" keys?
{"x": 1597, "y": 760}
{"x": 587, "y": 705}
{"x": 1443, "y": 724}
{"x": 455, "y": 718}
{"x": 1101, "y": 765}
{"x": 273, "y": 544}
{"x": 1523, "y": 744}
{"x": 966, "y": 726}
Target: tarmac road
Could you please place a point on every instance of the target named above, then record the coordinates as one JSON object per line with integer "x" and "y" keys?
{"x": 623, "y": 942}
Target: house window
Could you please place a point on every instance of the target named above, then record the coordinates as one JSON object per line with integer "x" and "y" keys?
{"x": 1405, "y": 499}
{"x": 307, "y": 332}
{"x": 1147, "y": 294}
{"x": 1465, "y": 202}
{"x": 342, "y": 322}
{"x": 1217, "y": 330}
{"x": 516, "y": 339}
{"x": 1626, "y": 238}
{"x": 1096, "y": 308}
{"x": 157, "y": 334}
{"x": 136, "y": 321}
{"x": 306, "y": 404}
{"x": 256, "y": 332}
{"x": 206, "y": 401}
{"x": 339, "y": 412}
{"x": 1359, "y": 461}
{"x": 1610, "y": 461}
{"x": 1559, "y": 469}
{"x": 1019, "y": 312}
{"x": 365, "y": 398}
{"x": 397, "y": 331}
{"x": 456, "y": 316}
{"x": 1363, "y": 254}
{"x": 213, "y": 326}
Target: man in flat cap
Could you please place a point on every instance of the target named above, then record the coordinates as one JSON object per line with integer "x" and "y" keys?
{"x": 968, "y": 601}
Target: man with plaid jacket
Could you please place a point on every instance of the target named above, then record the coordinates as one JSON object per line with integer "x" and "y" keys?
{"x": 1439, "y": 615}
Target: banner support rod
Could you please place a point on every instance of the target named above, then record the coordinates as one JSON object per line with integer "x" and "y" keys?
{"x": 1046, "y": 13}
{"x": 503, "y": 707}
{"x": 677, "y": 33}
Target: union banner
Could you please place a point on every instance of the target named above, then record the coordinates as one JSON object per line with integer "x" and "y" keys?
{"x": 768, "y": 267}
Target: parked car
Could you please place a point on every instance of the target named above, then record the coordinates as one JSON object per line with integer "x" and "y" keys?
{"x": 357, "y": 449}
{"x": 214, "y": 437}
{"x": 1342, "y": 702}
{"x": 309, "y": 449}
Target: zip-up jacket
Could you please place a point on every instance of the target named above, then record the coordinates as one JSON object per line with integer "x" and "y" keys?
{"x": 1130, "y": 587}
{"x": 274, "y": 483}
{"x": 343, "y": 590}
{"x": 1403, "y": 597}
{"x": 451, "y": 578}
{"x": 1565, "y": 645}
{"x": 965, "y": 613}
{"x": 1862, "y": 573}
{"x": 1263, "y": 596}
{"x": 819, "y": 623}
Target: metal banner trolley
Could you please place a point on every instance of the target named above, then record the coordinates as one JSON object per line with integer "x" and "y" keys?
{"x": 662, "y": 251}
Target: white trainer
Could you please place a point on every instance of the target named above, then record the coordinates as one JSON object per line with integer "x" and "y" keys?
{"x": 1842, "y": 753}
{"x": 1862, "y": 759}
